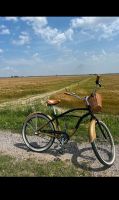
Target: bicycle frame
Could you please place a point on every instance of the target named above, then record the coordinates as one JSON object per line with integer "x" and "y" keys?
{"x": 62, "y": 127}
{"x": 56, "y": 117}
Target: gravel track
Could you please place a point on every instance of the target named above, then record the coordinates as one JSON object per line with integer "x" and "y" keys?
{"x": 80, "y": 155}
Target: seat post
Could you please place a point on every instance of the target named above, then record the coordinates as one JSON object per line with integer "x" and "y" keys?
{"x": 53, "y": 109}
{"x": 52, "y": 103}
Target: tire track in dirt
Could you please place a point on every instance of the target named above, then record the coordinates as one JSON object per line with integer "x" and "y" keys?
{"x": 31, "y": 99}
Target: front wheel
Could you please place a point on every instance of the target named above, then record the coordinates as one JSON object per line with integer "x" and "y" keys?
{"x": 103, "y": 145}
{"x": 38, "y": 132}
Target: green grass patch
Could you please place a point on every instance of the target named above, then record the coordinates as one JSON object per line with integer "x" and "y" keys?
{"x": 13, "y": 119}
{"x": 112, "y": 121}
{"x": 30, "y": 168}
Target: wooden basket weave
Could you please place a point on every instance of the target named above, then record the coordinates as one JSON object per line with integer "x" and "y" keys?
{"x": 95, "y": 102}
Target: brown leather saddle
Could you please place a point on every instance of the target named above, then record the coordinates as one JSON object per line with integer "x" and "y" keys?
{"x": 52, "y": 102}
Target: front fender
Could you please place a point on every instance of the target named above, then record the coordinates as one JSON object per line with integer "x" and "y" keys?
{"x": 92, "y": 131}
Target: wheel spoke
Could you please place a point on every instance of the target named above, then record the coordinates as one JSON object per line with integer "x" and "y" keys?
{"x": 36, "y": 123}
{"x": 29, "y": 124}
{"x": 38, "y": 132}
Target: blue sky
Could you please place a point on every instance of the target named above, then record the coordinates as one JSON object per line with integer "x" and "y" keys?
{"x": 31, "y": 46}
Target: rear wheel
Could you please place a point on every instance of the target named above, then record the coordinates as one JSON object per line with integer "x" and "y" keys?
{"x": 38, "y": 132}
{"x": 103, "y": 145}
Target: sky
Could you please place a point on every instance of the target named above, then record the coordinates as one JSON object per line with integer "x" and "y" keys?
{"x": 36, "y": 46}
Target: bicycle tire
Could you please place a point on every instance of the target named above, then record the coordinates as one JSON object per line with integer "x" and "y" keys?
{"x": 33, "y": 136}
{"x": 97, "y": 145}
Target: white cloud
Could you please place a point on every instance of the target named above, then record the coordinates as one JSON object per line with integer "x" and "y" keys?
{"x": 8, "y": 71}
{"x": 36, "y": 22}
{"x": 91, "y": 22}
{"x": 85, "y": 53}
{"x": 8, "y": 68}
{"x": 89, "y": 28}
{"x": 36, "y": 59}
{"x": 35, "y": 55}
{"x": 22, "y": 39}
{"x": 103, "y": 27}
{"x": 1, "y": 51}
{"x": 4, "y": 30}
{"x": 104, "y": 52}
{"x": 11, "y": 19}
{"x": 17, "y": 62}
{"x": 83, "y": 22}
{"x": 69, "y": 33}
{"x": 110, "y": 30}
{"x": 95, "y": 57}
{"x": 49, "y": 34}
{"x": 22, "y": 62}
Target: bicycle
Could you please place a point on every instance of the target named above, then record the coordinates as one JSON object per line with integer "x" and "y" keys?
{"x": 40, "y": 130}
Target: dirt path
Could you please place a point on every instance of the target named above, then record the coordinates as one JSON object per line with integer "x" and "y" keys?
{"x": 81, "y": 156}
{"x": 30, "y": 99}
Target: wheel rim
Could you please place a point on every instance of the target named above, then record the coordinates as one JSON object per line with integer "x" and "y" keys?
{"x": 104, "y": 143}
{"x": 35, "y": 137}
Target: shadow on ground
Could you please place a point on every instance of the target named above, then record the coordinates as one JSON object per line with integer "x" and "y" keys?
{"x": 81, "y": 157}
{"x": 22, "y": 146}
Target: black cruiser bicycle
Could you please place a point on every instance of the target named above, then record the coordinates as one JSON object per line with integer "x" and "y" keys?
{"x": 40, "y": 130}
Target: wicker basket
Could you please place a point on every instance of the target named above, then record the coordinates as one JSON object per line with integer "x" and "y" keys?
{"x": 95, "y": 102}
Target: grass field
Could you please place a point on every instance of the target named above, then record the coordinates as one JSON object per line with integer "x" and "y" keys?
{"x": 109, "y": 92}
{"x": 13, "y": 117}
{"x": 14, "y": 88}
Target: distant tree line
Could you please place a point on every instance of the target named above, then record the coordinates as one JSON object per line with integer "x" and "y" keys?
{"x": 16, "y": 76}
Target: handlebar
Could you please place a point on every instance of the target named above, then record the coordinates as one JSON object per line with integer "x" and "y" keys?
{"x": 74, "y": 94}
{"x": 86, "y": 97}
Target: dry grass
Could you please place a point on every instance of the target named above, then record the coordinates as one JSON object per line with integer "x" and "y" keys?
{"x": 14, "y": 88}
{"x": 13, "y": 118}
{"x": 109, "y": 91}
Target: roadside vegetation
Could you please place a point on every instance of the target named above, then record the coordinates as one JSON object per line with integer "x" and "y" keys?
{"x": 9, "y": 166}
{"x": 12, "y": 117}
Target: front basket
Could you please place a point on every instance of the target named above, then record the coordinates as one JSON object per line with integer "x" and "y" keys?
{"x": 95, "y": 102}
